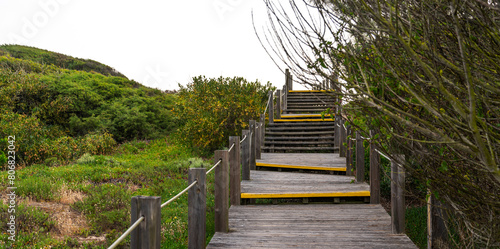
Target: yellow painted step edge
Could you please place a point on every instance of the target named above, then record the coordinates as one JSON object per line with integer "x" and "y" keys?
{"x": 303, "y": 116}
{"x": 310, "y": 91}
{"x": 272, "y": 165}
{"x": 304, "y": 120}
{"x": 304, "y": 195}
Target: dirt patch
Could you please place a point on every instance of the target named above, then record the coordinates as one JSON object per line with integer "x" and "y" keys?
{"x": 69, "y": 222}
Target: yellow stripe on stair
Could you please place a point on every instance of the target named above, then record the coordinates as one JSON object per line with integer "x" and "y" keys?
{"x": 310, "y": 91}
{"x": 304, "y": 120}
{"x": 272, "y": 165}
{"x": 304, "y": 195}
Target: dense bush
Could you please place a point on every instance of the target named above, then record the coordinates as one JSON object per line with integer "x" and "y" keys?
{"x": 214, "y": 109}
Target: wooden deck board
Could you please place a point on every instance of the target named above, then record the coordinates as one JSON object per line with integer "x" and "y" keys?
{"x": 309, "y": 226}
{"x": 322, "y": 160}
{"x": 269, "y": 184}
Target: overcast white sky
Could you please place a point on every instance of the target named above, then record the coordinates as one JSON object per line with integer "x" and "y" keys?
{"x": 158, "y": 43}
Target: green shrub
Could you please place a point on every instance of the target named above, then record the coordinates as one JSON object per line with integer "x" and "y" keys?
{"x": 97, "y": 144}
{"x": 214, "y": 109}
{"x": 107, "y": 207}
{"x": 86, "y": 159}
{"x": 416, "y": 226}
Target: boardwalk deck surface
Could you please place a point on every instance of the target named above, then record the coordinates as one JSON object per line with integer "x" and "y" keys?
{"x": 316, "y": 160}
{"x": 306, "y": 225}
{"x": 309, "y": 226}
{"x": 270, "y": 184}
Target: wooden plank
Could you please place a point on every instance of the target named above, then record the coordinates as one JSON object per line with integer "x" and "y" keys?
{"x": 285, "y": 116}
{"x": 309, "y": 159}
{"x": 309, "y": 91}
{"x": 234, "y": 171}
{"x": 197, "y": 208}
{"x": 304, "y": 195}
{"x": 300, "y": 167}
{"x": 309, "y": 226}
{"x": 304, "y": 120}
{"x": 221, "y": 183}
{"x": 295, "y": 185}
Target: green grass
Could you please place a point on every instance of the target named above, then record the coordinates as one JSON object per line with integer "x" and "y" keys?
{"x": 155, "y": 168}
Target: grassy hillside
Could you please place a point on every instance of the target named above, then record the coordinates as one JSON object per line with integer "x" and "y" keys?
{"x": 59, "y": 60}
{"x": 87, "y": 139}
{"x": 76, "y": 110}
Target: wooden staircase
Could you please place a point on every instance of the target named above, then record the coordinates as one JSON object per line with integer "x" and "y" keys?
{"x": 301, "y": 127}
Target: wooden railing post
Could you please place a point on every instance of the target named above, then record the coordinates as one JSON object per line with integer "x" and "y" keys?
{"x": 234, "y": 171}
{"x": 258, "y": 141}
{"x": 283, "y": 93}
{"x": 343, "y": 136}
{"x": 197, "y": 208}
{"x": 278, "y": 104}
{"x": 397, "y": 196}
{"x": 374, "y": 171}
{"x": 360, "y": 159}
{"x": 263, "y": 130}
{"x": 147, "y": 234}
{"x": 336, "y": 131}
{"x": 349, "y": 155}
{"x": 221, "y": 183}
{"x": 271, "y": 107}
{"x": 245, "y": 155}
{"x": 252, "y": 144}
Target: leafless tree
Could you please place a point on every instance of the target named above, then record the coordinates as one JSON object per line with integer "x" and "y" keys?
{"x": 425, "y": 75}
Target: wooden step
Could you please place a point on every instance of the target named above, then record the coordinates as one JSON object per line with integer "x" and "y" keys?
{"x": 300, "y": 167}
{"x": 296, "y": 122}
{"x": 327, "y": 148}
{"x": 269, "y": 138}
{"x": 298, "y": 142}
{"x": 304, "y": 120}
{"x": 300, "y": 133}
{"x": 297, "y": 116}
{"x": 314, "y": 110}
{"x": 304, "y": 128}
{"x": 268, "y": 184}
{"x": 311, "y": 91}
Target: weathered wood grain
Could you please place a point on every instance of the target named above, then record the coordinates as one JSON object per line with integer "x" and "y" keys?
{"x": 234, "y": 170}
{"x": 221, "y": 191}
{"x": 197, "y": 208}
{"x": 309, "y": 226}
{"x": 326, "y": 160}
{"x": 270, "y": 184}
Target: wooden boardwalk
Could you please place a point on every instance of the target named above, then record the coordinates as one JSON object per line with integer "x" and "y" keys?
{"x": 309, "y": 226}
{"x": 336, "y": 223}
